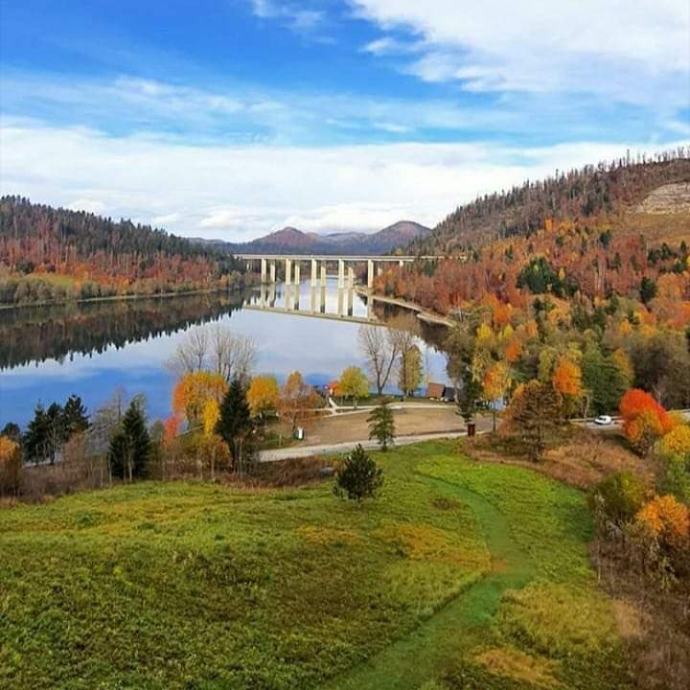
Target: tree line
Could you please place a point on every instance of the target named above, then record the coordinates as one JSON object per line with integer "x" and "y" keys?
{"x": 49, "y": 254}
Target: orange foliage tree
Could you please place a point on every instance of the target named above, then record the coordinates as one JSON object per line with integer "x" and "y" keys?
{"x": 297, "y": 399}
{"x": 666, "y": 518}
{"x": 567, "y": 377}
{"x": 644, "y": 419}
{"x": 10, "y": 463}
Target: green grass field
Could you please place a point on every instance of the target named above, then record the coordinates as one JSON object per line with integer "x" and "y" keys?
{"x": 461, "y": 575}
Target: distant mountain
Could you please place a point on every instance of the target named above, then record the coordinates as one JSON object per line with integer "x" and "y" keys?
{"x": 293, "y": 241}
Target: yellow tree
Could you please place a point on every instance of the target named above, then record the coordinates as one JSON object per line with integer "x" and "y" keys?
{"x": 263, "y": 395}
{"x": 193, "y": 391}
{"x": 214, "y": 446}
{"x": 495, "y": 385}
{"x": 353, "y": 384}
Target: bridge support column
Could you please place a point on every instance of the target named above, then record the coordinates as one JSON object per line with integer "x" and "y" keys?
{"x": 263, "y": 271}
{"x": 350, "y": 301}
{"x": 297, "y": 273}
{"x": 350, "y": 278}
{"x": 341, "y": 296}
{"x": 370, "y": 274}
{"x": 323, "y": 274}
{"x": 401, "y": 263}
{"x": 312, "y": 274}
{"x": 341, "y": 274}
{"x": 288, "y": 271}
{"x": 272, "y": 271}
{"x": 379, "y": 270}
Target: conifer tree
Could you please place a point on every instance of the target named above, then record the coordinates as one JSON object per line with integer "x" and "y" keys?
{"x": 382, "y": 424}
{"x": 235, "y": 422}
{"x": 130, "y": 447}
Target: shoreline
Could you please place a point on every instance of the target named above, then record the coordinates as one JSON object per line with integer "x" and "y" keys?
{"x": 422, "y": 314}
{"x": 117, "y": 298}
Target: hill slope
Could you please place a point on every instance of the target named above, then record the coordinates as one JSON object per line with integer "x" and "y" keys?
{"x": 614, "y": 192}
{"x": 48, "y": 253}
{"x": 182, "y": 585}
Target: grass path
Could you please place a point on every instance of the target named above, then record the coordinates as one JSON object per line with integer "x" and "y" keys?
{"x": 413, "y": 660}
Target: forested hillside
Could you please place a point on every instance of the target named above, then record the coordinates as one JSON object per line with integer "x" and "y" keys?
{"x": 602, "y": 193}
{"x": 56, "y": 254}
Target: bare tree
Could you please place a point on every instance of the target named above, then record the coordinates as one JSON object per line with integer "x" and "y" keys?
{"x": 191, "y": 352}
{"x": 215, "y": 348}
{"x": 232, "y": 355}
{"x": 380, "y": 347}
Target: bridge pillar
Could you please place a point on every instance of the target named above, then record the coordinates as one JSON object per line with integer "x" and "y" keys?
{"x": 350, "y": 277}
{"x": 370, "y": 274}
{"x": 401, "y": 263}
{"x": 341, "y": 273}
{"x": 350, "y": 301}
{"x": 312, "y": 274}
{"x": 263, "y": 271}
{"x": 272, "y": 270}
{"x": 297, "y": 273}
{"x": 288, "y": 271}
{"x": 323, "y": 274}
{"x": 379, "y": 269}
{"x": 341, "y": 295}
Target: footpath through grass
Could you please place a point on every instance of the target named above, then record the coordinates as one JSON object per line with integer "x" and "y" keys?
{"x": 460, "y": 575}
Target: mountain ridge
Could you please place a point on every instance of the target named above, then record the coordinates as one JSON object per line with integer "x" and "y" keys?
{"x": 291, "y": 240}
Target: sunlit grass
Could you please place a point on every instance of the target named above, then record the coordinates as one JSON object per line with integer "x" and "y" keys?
{"x": 189, "y": 585}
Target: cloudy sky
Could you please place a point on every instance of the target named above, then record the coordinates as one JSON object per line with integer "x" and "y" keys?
{"x": 232, "y": 118}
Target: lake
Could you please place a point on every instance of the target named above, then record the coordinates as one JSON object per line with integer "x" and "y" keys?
{"x": 91, "y": 348}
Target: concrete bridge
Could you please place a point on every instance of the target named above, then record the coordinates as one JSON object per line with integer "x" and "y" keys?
{"x": 318, "y": 266}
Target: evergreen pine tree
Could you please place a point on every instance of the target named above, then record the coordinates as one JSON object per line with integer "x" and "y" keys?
{"x": 382, "y": 424}
{"x": 36, "y": 436}
{"x": 75, "y": 419}
{"x": 359, "y": 477}
{"x": 235, "y": 423}
{"x": 130, "y": 447}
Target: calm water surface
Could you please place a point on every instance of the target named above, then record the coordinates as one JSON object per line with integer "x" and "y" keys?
{"x": 47, "y": 353}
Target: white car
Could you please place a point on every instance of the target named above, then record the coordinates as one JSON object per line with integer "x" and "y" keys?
{"x": 603, "y": 420}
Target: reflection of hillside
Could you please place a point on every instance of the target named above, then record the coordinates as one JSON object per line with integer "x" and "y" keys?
{"x": 39, "y": 333}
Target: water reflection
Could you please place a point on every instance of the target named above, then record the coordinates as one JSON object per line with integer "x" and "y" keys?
{"x": 312, "y": 300}
{"x": 90, "y": 349}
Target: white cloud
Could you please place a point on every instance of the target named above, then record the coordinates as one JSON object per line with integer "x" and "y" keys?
{"x": 89, "y": 205}
{"x": 240, "y": 192}
{"x": 632, "y": 50}
{"x": 297, "y": 18}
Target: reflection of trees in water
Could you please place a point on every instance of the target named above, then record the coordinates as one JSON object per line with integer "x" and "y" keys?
{"x": 34, "y": 334}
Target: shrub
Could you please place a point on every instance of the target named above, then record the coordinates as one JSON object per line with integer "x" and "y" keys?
{"x": 667, "y": 519}
{"x": 622, "y": 496}
{"x": 359, "y": 477}
{"x": 675, "y": 478}
{"x": 676, "y": 442}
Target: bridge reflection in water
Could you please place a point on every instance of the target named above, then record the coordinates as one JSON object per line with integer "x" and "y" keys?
{"x": 321, "y": 301}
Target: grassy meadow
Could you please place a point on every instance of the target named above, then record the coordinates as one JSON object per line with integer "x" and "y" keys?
{"x": 460, "y": 575}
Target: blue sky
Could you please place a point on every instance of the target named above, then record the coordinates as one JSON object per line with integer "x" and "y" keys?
{"x": 231, "y": 118}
